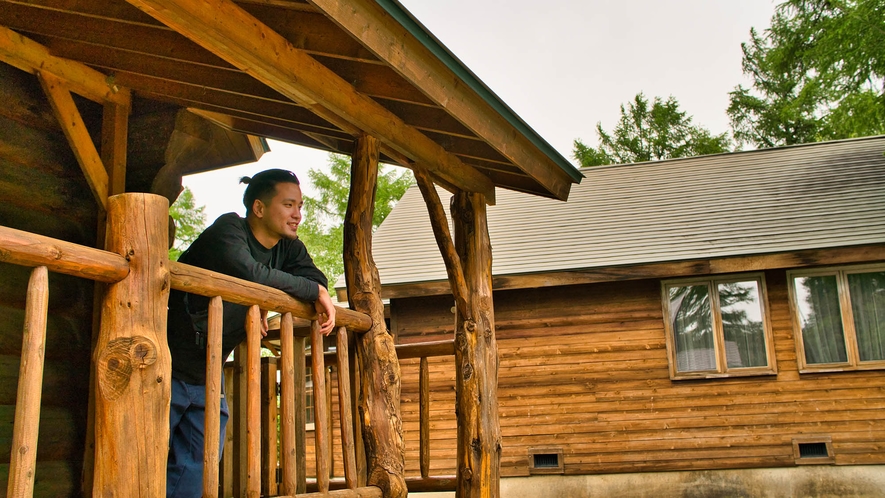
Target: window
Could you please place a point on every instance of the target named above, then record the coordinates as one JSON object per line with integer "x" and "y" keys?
{"x": 717, "y": 327}
{"x": 839, "y": 317}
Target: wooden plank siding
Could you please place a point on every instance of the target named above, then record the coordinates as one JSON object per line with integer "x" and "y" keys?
{"x": 584, "y": 368}
{"x": 43, "y": 191}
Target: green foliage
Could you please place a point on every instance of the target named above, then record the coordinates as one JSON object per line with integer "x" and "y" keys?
{"x": 817, "y": 73}
{"x": 190, "y": 221}
{"x": 322, "y": 229}
{"x": 650, "y": 133}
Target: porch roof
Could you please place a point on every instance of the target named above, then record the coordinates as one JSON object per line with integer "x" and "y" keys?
{"x": 315, "y": 73}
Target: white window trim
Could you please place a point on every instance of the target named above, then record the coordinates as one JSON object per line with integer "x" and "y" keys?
{"x": 851, "y": 347}
{"x": 722, "y": 370}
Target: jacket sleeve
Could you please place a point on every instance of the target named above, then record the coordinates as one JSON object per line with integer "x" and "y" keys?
{"x": 227, "y": 247}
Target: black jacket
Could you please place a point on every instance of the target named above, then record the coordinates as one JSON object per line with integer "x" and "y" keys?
{"x": 229, "y": 247}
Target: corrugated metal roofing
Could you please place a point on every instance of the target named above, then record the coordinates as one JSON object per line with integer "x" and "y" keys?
{"x": 785, "y": 199}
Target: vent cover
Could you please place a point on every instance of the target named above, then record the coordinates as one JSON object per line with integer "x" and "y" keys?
{"x": 813, "y": 450}
{"x": 545, "y": 461}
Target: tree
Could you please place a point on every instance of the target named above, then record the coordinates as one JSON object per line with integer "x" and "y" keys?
{"x": 190, "y": 220}
{"x": 323, "y": 227}
{"x": 817, "y": 73}
{"x": 650, "y": 133}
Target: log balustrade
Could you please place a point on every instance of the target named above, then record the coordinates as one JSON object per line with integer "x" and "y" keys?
{"x": 133, "y": 360}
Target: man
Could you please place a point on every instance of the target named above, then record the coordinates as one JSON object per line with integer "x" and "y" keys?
{"x": 262, "y": 248}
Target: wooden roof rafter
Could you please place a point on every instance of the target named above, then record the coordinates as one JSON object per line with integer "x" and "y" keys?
{"x": 453, "y": 125}
{"x": 394, "y": 37}
{"x": 59, "y": 77}
{"x": 236, "y": 36}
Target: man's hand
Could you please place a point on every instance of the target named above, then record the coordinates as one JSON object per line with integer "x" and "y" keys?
{"x": 264, "y": 325}
{"x": 325, "y": 311}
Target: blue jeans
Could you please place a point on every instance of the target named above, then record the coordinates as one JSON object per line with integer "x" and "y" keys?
{"x": 187, "y": 416}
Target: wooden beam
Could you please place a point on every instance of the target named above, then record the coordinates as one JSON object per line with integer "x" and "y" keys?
{"x": 379, "y": 367}
{"x": 440, "y": 226}
{"x": 28, "y": 55}
{"x": 366, "y": 21}
{"x": 230, "y": 32}
{"x": 114, "y": 139}
{"x": 78, "y": 136}
{"x": 28, "y": 249}
{"x": 243, "y": 125}
{"x": 476, "y": 356}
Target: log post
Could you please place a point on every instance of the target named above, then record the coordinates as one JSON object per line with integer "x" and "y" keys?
{"x": 476, "y": 355}
{"x": 23, "y": 458}
{"x": 132, "y": 361}
{"x": 379, "y": 407}
{"x": 469, "y": 267}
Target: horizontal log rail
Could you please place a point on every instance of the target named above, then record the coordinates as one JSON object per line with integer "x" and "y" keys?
{"x": 238, "y": 291}
{"x": 426, "y": 349}
{"x": 29, "y": 249}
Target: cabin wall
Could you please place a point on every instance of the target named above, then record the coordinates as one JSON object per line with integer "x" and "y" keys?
{"x": 43, "y": 191}
{"x": 584, "y": 370}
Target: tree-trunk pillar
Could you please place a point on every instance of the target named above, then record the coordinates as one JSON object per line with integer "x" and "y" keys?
{"x": 132, "y": 357}
{"x": 476, "y": 355}
{"x": 379, "y": 407}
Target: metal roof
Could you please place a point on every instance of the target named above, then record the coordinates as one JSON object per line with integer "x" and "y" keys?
{"x": 754, "y": 202}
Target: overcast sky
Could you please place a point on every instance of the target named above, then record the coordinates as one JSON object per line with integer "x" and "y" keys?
{"x": 563, "y": 66}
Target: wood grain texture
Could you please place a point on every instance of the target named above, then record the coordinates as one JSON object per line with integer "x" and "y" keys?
{"x": 212, "y": 427}
{"x": 238, "y": 291}
{"x": 233, "y": 34}
{"x": 23, "y": 457}
{"x": 379, "y": 367}
{"x": 600, "y": 389}
{"x": 476, "y": 356}
{"x": 133, "y": 364}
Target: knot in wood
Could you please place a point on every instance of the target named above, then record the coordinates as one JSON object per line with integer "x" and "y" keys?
{"x": 117, "y": 361}
{"x": 470, "y": 325}
{"x": 468, "y": 371}
{"x": 467, "y": 473}
{"x": 476, "y": 445}
{"x": 461, "y": 341}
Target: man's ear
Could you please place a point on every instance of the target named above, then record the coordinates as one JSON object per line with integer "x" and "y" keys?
{"x": 258, "y": 208}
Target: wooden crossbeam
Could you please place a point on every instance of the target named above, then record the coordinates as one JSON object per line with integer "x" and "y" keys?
{"x": 78, "y": 136}
{"x": 28, "y": 55}
{"x": 231, "y": 33}
{"x": 387, "y": 39}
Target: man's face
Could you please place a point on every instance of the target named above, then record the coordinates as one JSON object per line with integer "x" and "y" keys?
{"x": 282, "y": 215}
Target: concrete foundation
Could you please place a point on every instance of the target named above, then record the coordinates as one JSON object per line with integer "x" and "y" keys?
{"x": 799, "y": 482}
{"x": 866, "y": 481}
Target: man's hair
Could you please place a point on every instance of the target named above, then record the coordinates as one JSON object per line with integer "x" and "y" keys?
{"x": 263, "y": 186}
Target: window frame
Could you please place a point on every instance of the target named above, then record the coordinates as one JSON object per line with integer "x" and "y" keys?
{"x": 722, "y": 369}
{"x": 852, "y": 349}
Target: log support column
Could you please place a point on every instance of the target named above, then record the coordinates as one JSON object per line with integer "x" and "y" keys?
{"x": 379, "y": 407}
{"x": 476, "y": 355}
{"x": 469, "y": 267}
{"x": 132, "y": 362}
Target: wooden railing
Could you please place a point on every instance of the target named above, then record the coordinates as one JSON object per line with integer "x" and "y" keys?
{"x": 424, "y": 351}
{"x": 46, "y": 254}
{"x": 258, "y": 297}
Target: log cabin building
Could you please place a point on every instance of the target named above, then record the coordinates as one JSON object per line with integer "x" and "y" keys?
{"x": 711, "y": 326}
{"x": 106, "y": 104}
